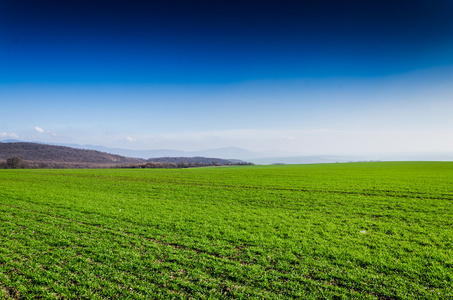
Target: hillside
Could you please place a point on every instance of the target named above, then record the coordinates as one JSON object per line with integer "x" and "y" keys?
{"x": 35, "y": 155}
{"x": 199, "y": 159}
{"x": 47, "y": 153}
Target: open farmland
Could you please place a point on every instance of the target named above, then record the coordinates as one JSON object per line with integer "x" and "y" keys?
{"x": 331, "y": 231}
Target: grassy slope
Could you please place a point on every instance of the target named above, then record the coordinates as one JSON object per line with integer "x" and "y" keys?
{"x": 363, "y": 230}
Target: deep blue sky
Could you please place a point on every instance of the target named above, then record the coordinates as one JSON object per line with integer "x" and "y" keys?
{"x": 219, "y": 41}
{"x": 153, "y": 74}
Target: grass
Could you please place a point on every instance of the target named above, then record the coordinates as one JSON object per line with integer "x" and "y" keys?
{"x": 331, "y": 231}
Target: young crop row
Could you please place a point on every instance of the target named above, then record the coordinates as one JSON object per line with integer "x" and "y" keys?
{"x": 365, "y": 230}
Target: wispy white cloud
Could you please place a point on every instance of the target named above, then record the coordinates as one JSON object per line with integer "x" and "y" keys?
{"x": 50, "y": 132}
{"x": 8, "y": 135}
{"x": 38, "y": 129}
{"x": 130, "y": 139}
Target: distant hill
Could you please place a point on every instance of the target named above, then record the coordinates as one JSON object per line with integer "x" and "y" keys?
{"x": 228, "y": 153}
{"x": 224, "y": 153}
{"x": 35, "y": 155}
{"x": 11, "y": 141}
{"x": 60, "y": 155}
{"x": 301, "y": 160}
{"x": 204, "y": 160}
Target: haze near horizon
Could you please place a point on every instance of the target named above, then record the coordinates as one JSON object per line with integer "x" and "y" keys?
{"x": 300, "y": 77}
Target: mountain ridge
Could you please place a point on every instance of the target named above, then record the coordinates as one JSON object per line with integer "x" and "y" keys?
{"x": 223, "y": 153}
{"x": 41, "y": 155}
{"x": 266, "y": 157}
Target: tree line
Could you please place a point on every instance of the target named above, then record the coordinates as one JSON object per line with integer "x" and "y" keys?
{"x": 174, "y": 163}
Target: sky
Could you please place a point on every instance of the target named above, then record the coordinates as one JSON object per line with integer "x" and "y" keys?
{"x": 300, "y": 77}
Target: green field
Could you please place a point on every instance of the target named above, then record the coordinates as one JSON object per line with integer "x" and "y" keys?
{"x": 331, "y": 231}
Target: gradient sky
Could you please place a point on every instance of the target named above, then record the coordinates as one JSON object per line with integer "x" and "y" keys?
{"x": 304, "y": 77}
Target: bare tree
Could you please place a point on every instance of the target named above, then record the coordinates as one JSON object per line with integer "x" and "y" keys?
{"x": 16, "y": 163}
